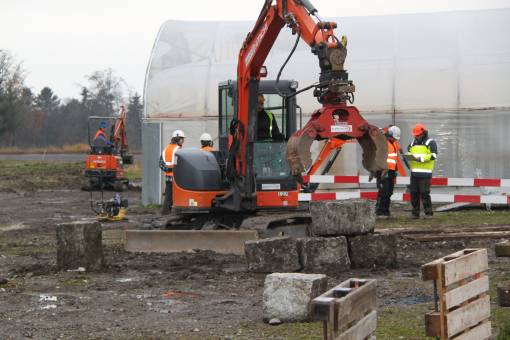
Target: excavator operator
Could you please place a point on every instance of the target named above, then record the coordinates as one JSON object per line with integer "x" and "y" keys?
{"x": 267, "y": 128}
{"x": 166, "y": 164}
{"x": 101, "y": 138}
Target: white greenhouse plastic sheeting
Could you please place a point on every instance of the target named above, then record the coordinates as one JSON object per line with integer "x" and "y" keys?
{"x": 411, "y": 62}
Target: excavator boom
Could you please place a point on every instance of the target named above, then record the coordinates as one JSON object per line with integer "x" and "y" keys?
{"x": 334, "y": 120}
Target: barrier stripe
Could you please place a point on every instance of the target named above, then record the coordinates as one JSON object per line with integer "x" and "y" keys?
{"x": 436, "y": 198}
{"x": 436, "y": 181}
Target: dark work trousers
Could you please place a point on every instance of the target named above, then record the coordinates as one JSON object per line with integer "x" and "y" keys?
{"x": 385, "y": 186}
{"x": 168, "y": 201}
{"x": 420, "y": 190}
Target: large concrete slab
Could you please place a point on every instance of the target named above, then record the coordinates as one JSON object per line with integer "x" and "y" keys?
{"x": 277, "y": 254}
{"x": 324, "y": 254}
{"x": 342, "y": 218}
{"x": 79, "y": 244}
{"x": 288, "y": 296}
{"x": 174, "y": 241}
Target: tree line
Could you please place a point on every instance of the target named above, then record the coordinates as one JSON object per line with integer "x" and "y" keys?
{"x": 42, "y": 119}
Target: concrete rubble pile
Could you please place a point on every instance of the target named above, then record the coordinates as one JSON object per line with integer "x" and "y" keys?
{"x": 341, "y": 237}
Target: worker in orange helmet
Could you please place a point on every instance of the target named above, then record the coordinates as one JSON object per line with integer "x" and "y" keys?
{"x": 206, "y": 142}
{"x": 422, "y": 155}
{"x": 386, "y": 181}
{"x": 166, "y": 164}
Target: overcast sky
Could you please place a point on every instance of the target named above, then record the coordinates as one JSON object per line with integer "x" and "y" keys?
{"x": 61, "y": 41}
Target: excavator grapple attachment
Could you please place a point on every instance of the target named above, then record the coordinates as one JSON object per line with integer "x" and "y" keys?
{"x": 375, "y": 150}
{"x": 341, "y": 122}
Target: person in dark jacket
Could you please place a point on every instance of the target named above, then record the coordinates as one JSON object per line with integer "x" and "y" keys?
{"x": 267, "y": 128}
{"x": 422, "y": 158}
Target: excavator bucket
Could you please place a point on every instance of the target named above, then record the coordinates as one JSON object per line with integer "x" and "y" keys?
{"x": 375, "y": 150}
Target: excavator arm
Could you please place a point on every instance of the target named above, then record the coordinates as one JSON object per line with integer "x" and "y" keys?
{"x": 119, "y": 138}
{"x": 334, "y": 120}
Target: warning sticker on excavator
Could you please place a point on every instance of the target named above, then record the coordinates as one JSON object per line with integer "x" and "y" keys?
{"x": 271, "y": 186}
{"x": 341, "y": 128}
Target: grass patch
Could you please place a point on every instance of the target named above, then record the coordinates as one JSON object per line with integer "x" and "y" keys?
{"x": 34, "y": 175}
{"x": 69, "y": 148}
{"x": 455, "y": 218}
{"x": 133, "y": 171}
{"x": 294, "y": 331}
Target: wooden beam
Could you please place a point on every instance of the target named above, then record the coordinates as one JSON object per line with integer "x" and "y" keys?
{"x": 362, "y": 329}
{"x": 468, "y": 315}
{"x": 480, "y": 332}
{"x": 468, "y": 291}
{"x": 433, "y": 324}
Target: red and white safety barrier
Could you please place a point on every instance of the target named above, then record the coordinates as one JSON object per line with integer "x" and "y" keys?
{"x": 436, "y": 198}
{"x": 436, "y": 181}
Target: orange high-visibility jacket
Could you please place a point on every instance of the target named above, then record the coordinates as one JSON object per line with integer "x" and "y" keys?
{"x": 207, "y": 148}
{"x": 100, "y": 134}
{"x": 394, "y": 162}
{"x": 168, "y": 157}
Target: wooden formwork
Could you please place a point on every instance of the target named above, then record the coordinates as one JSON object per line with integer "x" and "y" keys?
{"x": 461, "y": 294}
{"x": 348, "y": 311}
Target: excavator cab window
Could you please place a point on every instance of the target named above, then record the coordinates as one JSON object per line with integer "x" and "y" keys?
{"x": 269, "y": 161}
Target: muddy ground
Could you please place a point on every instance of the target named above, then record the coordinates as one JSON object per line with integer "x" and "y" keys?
{"x": 179, "y": 296}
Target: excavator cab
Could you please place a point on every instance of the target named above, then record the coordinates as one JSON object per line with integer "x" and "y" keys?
{"x": 270, "y": 166}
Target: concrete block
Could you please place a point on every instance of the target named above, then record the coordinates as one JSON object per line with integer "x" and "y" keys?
{"x": 342, "y": 218}
{"x": 288, "y": 296}
{"x": 278, "y": 254}
{"x": 503, "y": 249}
{"x": 373, "y": 251}
{"x": 504, "y": 294}
{"x": 79, "y": 244}
{"x": 321, "y": 254}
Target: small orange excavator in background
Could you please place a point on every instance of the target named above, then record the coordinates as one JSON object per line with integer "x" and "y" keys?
{"x": 104, "y": 165}
{"x": 266, "y": 175}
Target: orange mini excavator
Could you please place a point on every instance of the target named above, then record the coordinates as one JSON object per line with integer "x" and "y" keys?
{"x": 104, "y": 165}
{"x": 251, "y": 175}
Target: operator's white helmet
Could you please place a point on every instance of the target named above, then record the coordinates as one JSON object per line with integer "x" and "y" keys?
{"x": 206, "y": 137}
{"x": 395, "y": 132}
{"x": 178, "y": 133}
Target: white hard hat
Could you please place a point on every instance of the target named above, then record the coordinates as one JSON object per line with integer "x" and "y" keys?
{"x": 395, "y": 132}
{"x": 178, "y": 133}
{"x": 206, "y": 137}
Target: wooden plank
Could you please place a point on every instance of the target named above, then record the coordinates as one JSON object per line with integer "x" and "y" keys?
{"x": 429, "y": 271}
{"x": 468, "y": 316}
{"x": 362, "y": 329}
{"x": 468, "y": 291}
{"x": 454, "y": 236}
{"x": 480, "y": 332}
{"x": 433, "y": 324}
{"x": 357, "y": 304}
{"x": 472, "y": 261}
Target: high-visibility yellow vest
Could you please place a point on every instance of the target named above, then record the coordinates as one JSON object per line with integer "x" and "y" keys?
{"x": 424, "y": 154}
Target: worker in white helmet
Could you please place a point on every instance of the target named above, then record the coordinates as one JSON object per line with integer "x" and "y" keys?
{"x": 166, "y": 164}
{"x": 386, "y": 181}
{"x": 206, "y": 142}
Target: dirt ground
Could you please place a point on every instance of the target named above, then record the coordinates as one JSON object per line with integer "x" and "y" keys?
{"x": 178, "y": 296}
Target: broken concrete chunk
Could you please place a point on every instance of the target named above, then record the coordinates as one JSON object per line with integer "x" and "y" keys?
{"x": 79, "y": 244}
{"x": 288, "y": 296}
{"x": 321, "y": 254}
{"x": 270, "y": 255}
{"x": 373, "y": 251}
{"x": 504, "y": 294}
{"x": 337, "y": 218}
{"x": 503, "y": 249}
